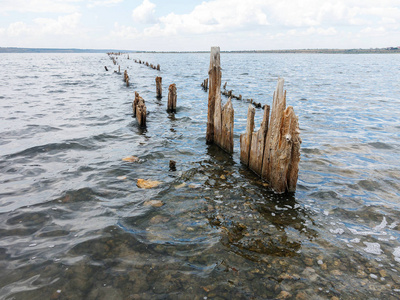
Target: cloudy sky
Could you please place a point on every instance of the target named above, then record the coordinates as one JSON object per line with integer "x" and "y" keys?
{"x": 180, "y": 25}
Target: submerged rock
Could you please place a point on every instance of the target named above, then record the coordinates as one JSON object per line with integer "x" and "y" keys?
{"x": 154, "y": 203}
{"x": 131, "y": 159}
{"x": 147, "y": 184}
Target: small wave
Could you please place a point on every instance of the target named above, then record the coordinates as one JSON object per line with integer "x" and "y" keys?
{"x": 56, "y": 91}
{"x": 56, "y": 147}
{"x": 380, "y": 145}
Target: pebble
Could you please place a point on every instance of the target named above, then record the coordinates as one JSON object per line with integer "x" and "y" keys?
{"x": 302, "y": 296}
{"x": 309, "y": 262}
{"x": 121, "y": 177}
{"x": 154, "y": 203}
{"x": 131, "y": 159}
{"x": 310, "y": 274}
{"x": 147, "y": 184}
{"x": 179, "y": 186}
{"x": 336, "y": 273}
{"x": 158, "y": 219}
{"x": 383, "y": 273}
{"x": 284, "y": 295}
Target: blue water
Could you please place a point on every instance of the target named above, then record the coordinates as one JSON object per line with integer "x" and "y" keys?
{"x": 74, "y": 225}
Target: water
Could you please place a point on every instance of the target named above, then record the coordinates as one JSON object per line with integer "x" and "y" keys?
{"x": 73, "y": 224}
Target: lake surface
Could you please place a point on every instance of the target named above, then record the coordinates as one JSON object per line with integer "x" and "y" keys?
{"x": 74, "y": 225}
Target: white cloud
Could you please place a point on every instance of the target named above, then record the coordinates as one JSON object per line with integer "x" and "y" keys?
{"x": 303, "y": 17}
{"x": 124, "y": 32}
{"x": 144, "y": 13}
{"x": 17, "y": 29}
{"x": 373, "y": 31}
{"x": 63, "y": 25}
{"x": 39, "y": 6}
{"x": 94, "y": 3}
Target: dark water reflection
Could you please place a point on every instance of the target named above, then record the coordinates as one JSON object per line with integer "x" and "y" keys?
{"x": 74, "y": 225}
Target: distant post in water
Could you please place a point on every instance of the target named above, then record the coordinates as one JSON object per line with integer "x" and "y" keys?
{"x": 139, "y": 110}
{"x": 171, "y": 107}
{"x": 159, "y": 87}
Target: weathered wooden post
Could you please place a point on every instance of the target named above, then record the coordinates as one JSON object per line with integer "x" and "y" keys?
{"x": 227, "y": 118}
{"x": 127, "y": 81}
{"x": 245, "y": 138}
{"x": 158, "y": 87}
{"x": 282, "y": 146}
{"x": 274, "y": 150}
{"x": 205, "y": 84}
{"x": 125, "y": 75}
{"x": 135, "y": 103}
{"x": 119, "y": 69}
{"x": 214, "y": 73}
{"x": 158, "y": 67}
{"x": 141, "y": 112}
{"x": 171, "y": 107}
{"x": 258, "y": 143}
{"x": 219, "y": 120}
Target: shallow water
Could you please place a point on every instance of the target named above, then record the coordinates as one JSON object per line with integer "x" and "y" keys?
{"x": 74, "y": 225}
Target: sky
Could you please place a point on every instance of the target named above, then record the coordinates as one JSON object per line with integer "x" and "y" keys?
{"x": 193, "y": 25}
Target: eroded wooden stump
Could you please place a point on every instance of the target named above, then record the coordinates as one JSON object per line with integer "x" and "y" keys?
{"x": 220, "y": 119}
{"x": 158, "y": 87}
{"x": 273, "y": 152}
{"x": 171, "y": 106}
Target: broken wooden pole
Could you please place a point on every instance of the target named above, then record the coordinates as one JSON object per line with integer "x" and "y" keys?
{"x": 125, "y": 75}
{"x": 141, "y": 112}
{"x": 119, "y": 69}
{"x": 171, "y": 106}
{"x": 245, "y": 138}
{"x": 258, "y": 144}
{"x": 106, "y": 68}
{"x": 220, "y": 119}
{"x": 158, "y": 67}
{"x": 274, "y": 150}
{"x": 282, "y": 146}
{"x": 158, "y": 87}
{"x": 135, "y": 103}
{"x": 227, "y": 120}
{"x": 127, "y": 81}
{"x": 214, "y": 73}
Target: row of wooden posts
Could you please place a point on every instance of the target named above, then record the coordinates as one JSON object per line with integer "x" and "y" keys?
{"x": 229, "y": 94}
{"x": 272, "y": 152}
{"x": 148, "y": 64}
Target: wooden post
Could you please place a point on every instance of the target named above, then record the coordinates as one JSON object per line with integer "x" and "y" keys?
{"x": 135, "y": 103}
{"x": 258, "y": 144}
{"x": 125, "y": 75}
{"x": 273, "y": 152}
{"x": 282, "y": 146}
{"x": 127, "y": 81}
{"x": 141, "y": 112}
{"x": 227, "y": 117}
{"x": 214, "y": 73}
{"x": 171, "y": 107}
{"x": 158, "y": 67}
{"x": 245, "y": 138}
{"x": 158, "y": 87}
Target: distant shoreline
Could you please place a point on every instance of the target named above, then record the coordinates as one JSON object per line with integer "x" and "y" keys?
{"x": 306, "y": 51}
